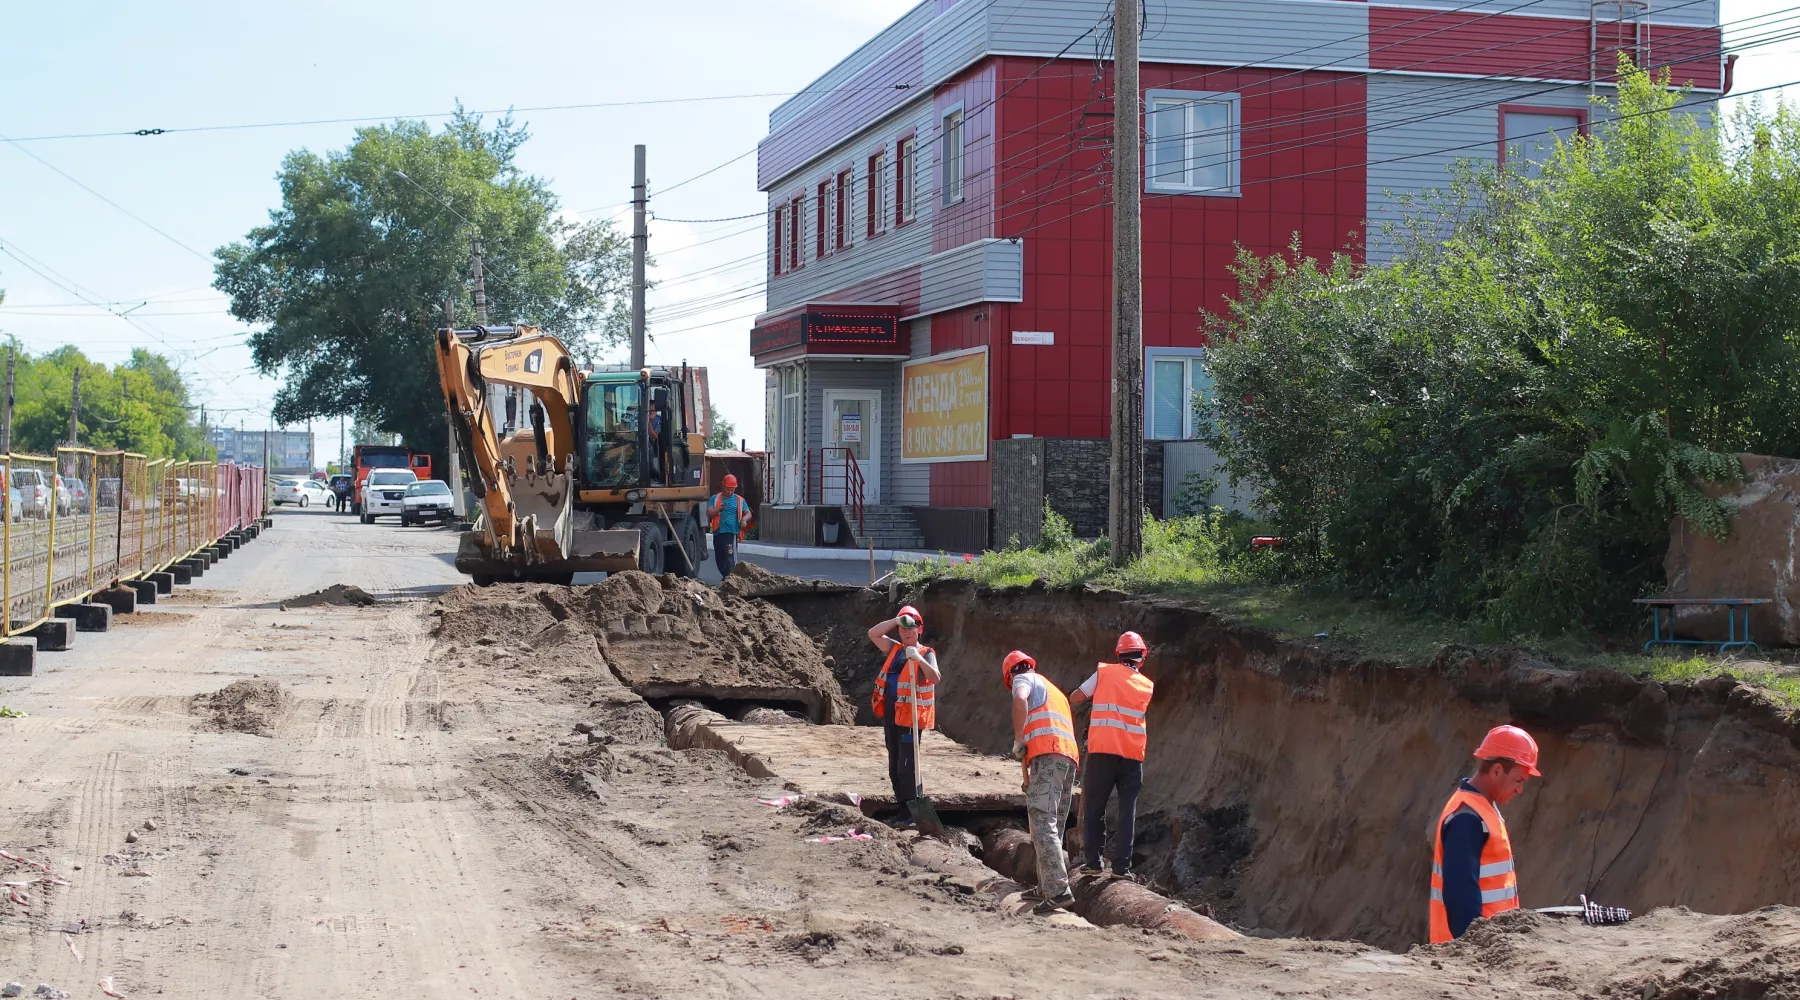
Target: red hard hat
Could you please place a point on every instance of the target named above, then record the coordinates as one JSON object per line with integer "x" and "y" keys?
{"x": 1012, "y": 661}
{"x": 911, "y": 612}
{"x": 1510, "y": 743}
{"x": 1130, "y": 642}
{"x": 730, "y": 481}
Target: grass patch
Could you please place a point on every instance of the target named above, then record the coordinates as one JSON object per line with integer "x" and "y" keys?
{"x": 1207, "y": 558}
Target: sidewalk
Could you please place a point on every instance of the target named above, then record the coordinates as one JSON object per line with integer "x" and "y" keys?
{"x": 824, "y": 552}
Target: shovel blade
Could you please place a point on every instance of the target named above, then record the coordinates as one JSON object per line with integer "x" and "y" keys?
{"x": 925, "y": 815}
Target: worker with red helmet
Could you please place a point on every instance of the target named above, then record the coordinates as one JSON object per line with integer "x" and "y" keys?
{"x": 730, "y": 516}
{"x": 1472, "y": 859}
{"x": 907, "y": 684}
{"x": 1117, "y": 738}
{"x": 1044, "y": 739}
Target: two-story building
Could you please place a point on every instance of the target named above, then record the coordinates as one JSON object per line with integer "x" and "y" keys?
{"x": 936, "y": 339}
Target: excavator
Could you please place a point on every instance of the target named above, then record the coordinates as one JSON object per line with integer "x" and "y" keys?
{"x": 608, "y": 476}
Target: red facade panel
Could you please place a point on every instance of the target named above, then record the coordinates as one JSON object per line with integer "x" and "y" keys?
{"x": 971, "y": 217}
{"x": 1531, "y": 47}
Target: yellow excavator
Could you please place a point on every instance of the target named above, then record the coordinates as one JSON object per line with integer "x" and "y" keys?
{"x": 608, "y": 475}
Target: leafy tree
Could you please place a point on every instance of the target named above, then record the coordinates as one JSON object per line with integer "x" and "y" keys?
{"x": 722, "y": 433}
{"x": 139, "y": 406}
{"x": 1499, "y": 423}
{"x": 349, "y": 279}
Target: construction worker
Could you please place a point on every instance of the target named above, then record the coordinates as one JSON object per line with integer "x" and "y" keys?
{"x": 1115, "y": 752}
{"x": 907, "y": 683}
{"x": 1044, "y": 739}
{"x": 1472, "y": 859}
{"x": 730, "y": 516}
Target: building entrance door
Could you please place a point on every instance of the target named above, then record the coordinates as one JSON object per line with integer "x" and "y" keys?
{"x": 853, "y": 424}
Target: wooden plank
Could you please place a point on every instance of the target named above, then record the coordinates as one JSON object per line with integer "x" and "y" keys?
{"x": 826, "y": 759}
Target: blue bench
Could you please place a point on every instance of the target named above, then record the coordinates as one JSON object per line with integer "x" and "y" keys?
{"x": 1736, "y": 636}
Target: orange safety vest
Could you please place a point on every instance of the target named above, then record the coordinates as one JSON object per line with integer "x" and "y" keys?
{"x": 743, "y": 510}
{"x": 1050, "y": 728}
{"x": 914, "y": 689}
{"x": 1121, "y": 697}
{"x": 1498, "y": 881}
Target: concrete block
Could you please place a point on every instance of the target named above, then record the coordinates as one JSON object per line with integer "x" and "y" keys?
{"x": 16, "y": 656}
{"x": 220, "y": 550}
{"x": 268, "y": 522}
{"x": 122, "y": 600}
{"x": 53, "y": 635}
{"x": 145, "y": 590}
{"x": 165, "y": 581}
{"x": 187, "y": 569}
{"x": 87, "y": 617}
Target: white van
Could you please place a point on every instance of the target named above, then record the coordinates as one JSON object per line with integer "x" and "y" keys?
{"x": 384, "y": 492}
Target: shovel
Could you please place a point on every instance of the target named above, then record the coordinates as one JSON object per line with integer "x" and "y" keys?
{"x": 923, "y": 812}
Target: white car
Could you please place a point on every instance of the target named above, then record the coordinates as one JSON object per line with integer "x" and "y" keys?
{"x": 384, "y": 492}
{"x": 300, "y": 492}
{"x": 428, "y": 500}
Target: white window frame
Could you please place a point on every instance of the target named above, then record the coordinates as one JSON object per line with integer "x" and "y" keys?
{"x": 906, "y": 177}
{"x": 950, "y": 154}
{"x": 1234, "y": 106}
{"x": 1192, "y": 360}
{"x": 878, "y": 193}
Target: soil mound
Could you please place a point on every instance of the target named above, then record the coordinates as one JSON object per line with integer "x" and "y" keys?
{"x": 750, "y": 580}
{"x": 243, "y": 707}
{"x": 1292, "y": 790}
{"x": 338, "y": 595}
{"x": 662, "y": 637}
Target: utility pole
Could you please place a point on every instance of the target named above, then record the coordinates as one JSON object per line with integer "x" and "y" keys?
{"x": 456, "y": 484}
{"x": 1126, "y": 511}
{"x": 481, "y": 313}
{"x": 75, "y": 410}
{"x": 640, "y": 241}
{"x": 7, "y": 408}
{"x": 343, "y": 455}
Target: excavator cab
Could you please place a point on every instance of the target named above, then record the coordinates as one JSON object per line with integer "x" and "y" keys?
{"x": 634, "y": 433}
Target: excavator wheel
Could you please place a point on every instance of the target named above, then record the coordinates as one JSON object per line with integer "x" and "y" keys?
{"x": 650, "y": 547}
{"x": 691, "y": 545}
{"x": 482, "y": 579}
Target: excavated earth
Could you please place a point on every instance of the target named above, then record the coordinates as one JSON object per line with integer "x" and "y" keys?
{"x": 1291, "y": 790}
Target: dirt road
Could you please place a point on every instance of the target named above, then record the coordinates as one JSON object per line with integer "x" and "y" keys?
{"x": 351, "y": 809}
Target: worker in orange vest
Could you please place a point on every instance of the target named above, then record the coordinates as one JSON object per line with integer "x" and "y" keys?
{"x": 730, "y": 516}
{"x": 1044, "y": 739}
{"x": 1117, "y": 737}
{"x": 1472, "y": 859}
{"x": 908, "y": 684}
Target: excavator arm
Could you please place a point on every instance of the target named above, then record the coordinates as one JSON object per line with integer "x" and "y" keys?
{"x": 526, "y": 484}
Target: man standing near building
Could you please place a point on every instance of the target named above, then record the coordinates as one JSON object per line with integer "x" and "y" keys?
{"x": 730, "y": 516}
{"x": 1044, "y": 738}
{"x": 908, "y": 684}
{"x": 1472, "y": 860}
{"x": 1117, "y": 737}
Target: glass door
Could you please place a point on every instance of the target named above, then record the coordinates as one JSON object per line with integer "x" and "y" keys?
{"x": 853, "y": 425}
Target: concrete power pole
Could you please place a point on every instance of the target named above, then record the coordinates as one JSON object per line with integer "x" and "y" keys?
{"x": 456, "y": 483}
{"x": 75, "y": 410}
{"x": 481, "y": 313}
{"x": 640, "y": 240}
{"x": 7, "y": 408}
{"x": 1126, "y": 511}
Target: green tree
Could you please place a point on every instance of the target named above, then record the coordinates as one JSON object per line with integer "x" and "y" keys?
{"x": 349, "y": 278}
{"x": 721, "y": 434}
{"x": 140, "y": 406}
{"x": 1499, "y": 423}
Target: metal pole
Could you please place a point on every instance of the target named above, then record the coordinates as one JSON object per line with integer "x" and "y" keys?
{"x": 457, "y": 503}
{"x": 640, "y": 241}
{"x": 75, "y": 410}
{"x": 1126, "y": 510}
{"x": 481, "y": 313}
{"x": 6, "y": 412}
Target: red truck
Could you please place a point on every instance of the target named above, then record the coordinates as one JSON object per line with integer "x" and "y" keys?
{"x": 365, "y": 458}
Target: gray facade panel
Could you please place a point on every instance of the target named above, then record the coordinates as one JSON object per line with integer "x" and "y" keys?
{"x": 1682, "y": 12}
{"x": 1227, "y": 32}
{"x": 866, "y": 55}
{"x": 957, "y": 38}
{"x": 882, "y": 376}
{"x": 984, "y": 271}
{"x": 1420, "y": 126}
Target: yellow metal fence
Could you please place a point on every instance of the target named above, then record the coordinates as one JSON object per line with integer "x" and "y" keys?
{"x": 83, "y": 520}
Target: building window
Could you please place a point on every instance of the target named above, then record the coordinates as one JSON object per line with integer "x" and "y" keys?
{"x": 780, "y": 224}
{"x": 950, "y": 158}
{"x": 878, "y": 206}
{"x": 845, "y": 182}
{"x": 1192, "y": 142}
{"x": 795, "y": 258}
{"x": 1529, "y": 135}
{"x": 1174, "y": 377}
{"x": 822, "y": 199}
{"x": 905, "y": 174}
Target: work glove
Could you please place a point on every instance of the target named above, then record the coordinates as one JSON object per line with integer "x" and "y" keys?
{"x": 1017, "y": 752}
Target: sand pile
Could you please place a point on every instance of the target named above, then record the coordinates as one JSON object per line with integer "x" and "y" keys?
{"x": 662, "y": 637}
{"x": 338, "y": 595}
{"x": 243, "y": 707}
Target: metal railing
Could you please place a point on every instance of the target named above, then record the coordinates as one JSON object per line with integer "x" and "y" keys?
{"x": 83, "y": 520}
{"x": 833, "y": 476}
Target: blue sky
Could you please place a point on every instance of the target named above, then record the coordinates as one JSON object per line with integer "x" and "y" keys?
{"x": 67, "y": 68}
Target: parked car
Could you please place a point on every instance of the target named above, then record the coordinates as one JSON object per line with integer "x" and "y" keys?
{"x": 384, "y": 492}
{"x": 428, "y": 500}
{"x": 14, "y": 506}
{"x": 300, "y": 492}
{"x": 109, "y": 493}
{"x": 72, "y": 495}
{"x": 33, "y": 489}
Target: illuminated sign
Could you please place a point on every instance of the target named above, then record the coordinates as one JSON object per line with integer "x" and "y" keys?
{"x": 790, "y": 332}
{"x": 868, "y": 331}
{"x": 830, "y": 332}
{"x": 944, "y": 408}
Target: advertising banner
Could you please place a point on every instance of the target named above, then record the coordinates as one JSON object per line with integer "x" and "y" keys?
{"x": 944, "y": 412}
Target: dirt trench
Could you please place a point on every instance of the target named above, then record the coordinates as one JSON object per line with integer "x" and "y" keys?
{"x": 1291, "y": 790}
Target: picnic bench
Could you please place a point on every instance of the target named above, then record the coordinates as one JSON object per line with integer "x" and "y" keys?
{"x": 1733, "y": 607}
